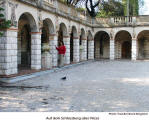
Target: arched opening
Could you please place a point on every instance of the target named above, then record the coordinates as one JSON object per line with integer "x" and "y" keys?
{"x": 46, "y": 43}
{"x": 87, "y": 47}
{"x": 71, "y": 47}
{"x": 123, "y": 41}
{"x": 45, "y": 33}
{"x": 126, "y": 50}
{"x": 90, "y": 46}
{"x": 61, "y": 34}
{"x": 73, "y": 36}
{"x": 26, "y": 25}
{"x": 143, "y": 45}
{"x": 102, "y": 43}
{"x": 81, "y": 44}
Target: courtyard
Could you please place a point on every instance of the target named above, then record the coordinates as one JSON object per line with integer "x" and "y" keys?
{"x": 96, "y": 86}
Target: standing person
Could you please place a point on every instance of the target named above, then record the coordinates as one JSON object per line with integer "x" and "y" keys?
{"x": 61, "y": 51}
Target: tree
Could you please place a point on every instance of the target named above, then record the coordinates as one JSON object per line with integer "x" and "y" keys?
{"x": 131, "y": 7}
{"x": 120, "y": 8}
{"x": 91, "y": 5}
{"x": 111, "y": 8}
{"x": 4, "y": 24}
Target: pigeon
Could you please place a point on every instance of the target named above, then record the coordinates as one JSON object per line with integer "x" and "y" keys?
{"x": 63, "y": 78}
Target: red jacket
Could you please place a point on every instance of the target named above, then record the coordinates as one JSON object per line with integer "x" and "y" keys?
{"x": 61, "y": 49}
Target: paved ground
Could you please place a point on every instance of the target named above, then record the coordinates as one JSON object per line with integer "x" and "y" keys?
{"x": 101, "y": 86}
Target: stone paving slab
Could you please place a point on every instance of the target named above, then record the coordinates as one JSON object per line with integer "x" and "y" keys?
{"x": 101, "y": 86}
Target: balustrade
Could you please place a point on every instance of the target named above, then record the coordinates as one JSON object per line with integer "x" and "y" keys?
{"x": 49, "y": 1}
{"x": 62, "y": 7}
{"x": 126, "y": 20}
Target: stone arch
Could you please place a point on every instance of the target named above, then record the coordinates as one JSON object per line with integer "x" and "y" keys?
{"x": 102, "y": 30}
{"x": 47, "y": 30}
{"x": 74, "y": 31}
{"x": 47, "y": 38}
{"x": 26, "y": 26}
{"x": 90, "y": 35}
{"x": 50, "y": 25}
{"x": 74, "y": 42}
{"x": 63, "y": 28}
{"x": 28, "y": 17}
{"x": 62, "y": 34}
{"x": 130, "y": 31}
{"x": 139, "y": 30}
{"x": 83, "y": 34}
{"x": 102, "y": 45}
{"x": 143, "y": 44}
{"x": 121, "y": 49}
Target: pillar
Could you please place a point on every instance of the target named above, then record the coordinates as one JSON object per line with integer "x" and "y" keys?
{"x": 76, "y": 50}
{"x": 54, "y": 42}
{"x": 112, "y": 49}
{"x": 36, "y": 50}
{"x": 8, "y": 52}
{"x": 134, "y": 49}
{"x": 91, "y": 49}
{"x": 84, "y": 52}
{"x": 66, "y": 40}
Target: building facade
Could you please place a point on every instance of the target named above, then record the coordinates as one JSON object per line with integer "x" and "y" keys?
{"x": 36, "y": 22}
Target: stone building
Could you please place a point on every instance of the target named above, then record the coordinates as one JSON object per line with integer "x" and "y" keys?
{"x": 35, "y": 22}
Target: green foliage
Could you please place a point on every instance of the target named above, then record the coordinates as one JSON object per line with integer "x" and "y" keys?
{"x": 63, "y": 1}
{"x": 4, "y": 24}
{"x": 81, "y": 9}
{"x": 120, "y": 8}
{"x": 131, "y": 7}
{"x": 112, "y": 8}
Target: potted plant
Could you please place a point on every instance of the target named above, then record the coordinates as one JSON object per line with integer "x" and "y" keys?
{"x": 46, "y": 56}
{"x": 81, "y": 47}
{"x": 81, "y": 52}
{"x": 45, "y": 47}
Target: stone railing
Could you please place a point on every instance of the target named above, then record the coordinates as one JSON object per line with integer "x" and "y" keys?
{"x": 62, "y": 7}
{"x": 69, "y": 10}
{"x": 49, "y": 1}
{"x": 74, "y": 12}
{"x": 103, "y": 22}
{"x": 115, "y": 21}
{"x": 142, "y": 20}
{"x": 123, "y": 20}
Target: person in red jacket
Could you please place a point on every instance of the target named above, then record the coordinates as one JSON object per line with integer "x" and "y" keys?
{"x": 61, "y": 51}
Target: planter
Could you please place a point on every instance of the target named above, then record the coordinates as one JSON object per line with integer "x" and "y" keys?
{"x": 45, "y": 47}
{"x": 81, "y": 47}
{"x": 81, "y": 52}
{"x": 46, "y": 60}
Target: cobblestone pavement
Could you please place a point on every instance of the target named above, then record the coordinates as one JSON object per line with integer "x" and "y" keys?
{"x": 101, "y": 86}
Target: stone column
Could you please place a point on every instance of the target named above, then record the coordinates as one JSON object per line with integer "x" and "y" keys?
{"x": 76, "y": 50}
{"x": 134, "y": 49}
{"x": 53, "y": 42}
{"x": 66, "y": 40}
{"x": 8, "y": 52}
{"x": 91, "y": 49}
{"x": 36, "y": 50}
{"x": 84, "y": 54}
{"x": 112, "y": 49}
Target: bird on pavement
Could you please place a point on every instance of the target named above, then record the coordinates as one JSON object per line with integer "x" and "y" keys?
{"x": 63, "y": 78}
